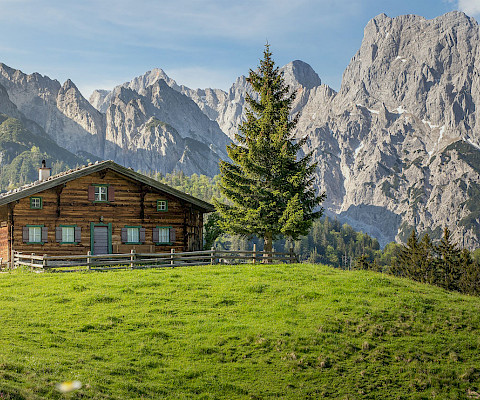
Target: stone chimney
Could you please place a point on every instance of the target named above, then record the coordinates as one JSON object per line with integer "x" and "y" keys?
{"x": 43, "y": 172}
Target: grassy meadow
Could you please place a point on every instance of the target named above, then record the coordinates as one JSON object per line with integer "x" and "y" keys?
{"x": 236, "y": 332}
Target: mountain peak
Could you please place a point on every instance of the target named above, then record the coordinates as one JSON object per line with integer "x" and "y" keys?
{"x": 300, "y": 73}
{"x": 69, "y": 85}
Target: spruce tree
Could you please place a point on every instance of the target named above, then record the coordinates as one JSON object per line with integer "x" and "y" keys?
{"x": 448, "y": 262}
{"x": 469, "y": 281}
{"x": 269, "y": 187}
{"x": 409, "y": 256}
{"x": 426, "y": 260}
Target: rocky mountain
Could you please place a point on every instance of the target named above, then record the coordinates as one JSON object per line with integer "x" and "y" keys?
{"x": 398, "y": 145}
{"x": 119, "y": 132}
{"x": 24, "y": 144}
{"x": 225, "y": 108}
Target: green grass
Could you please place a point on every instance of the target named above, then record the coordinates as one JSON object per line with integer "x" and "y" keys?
{"x": 236, "y": 332}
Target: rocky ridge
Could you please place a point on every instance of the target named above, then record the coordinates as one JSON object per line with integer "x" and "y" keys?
{"x": 119, "y": 132}
{"x": 397, "y": 146}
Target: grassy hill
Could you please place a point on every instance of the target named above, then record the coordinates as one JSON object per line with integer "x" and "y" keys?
{"x": 236, "y": 332}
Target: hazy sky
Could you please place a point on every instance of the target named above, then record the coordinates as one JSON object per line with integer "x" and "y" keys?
{"x": 199, "y": 43}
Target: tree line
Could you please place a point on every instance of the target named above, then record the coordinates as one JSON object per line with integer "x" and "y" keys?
{"x": 444, "y": 264}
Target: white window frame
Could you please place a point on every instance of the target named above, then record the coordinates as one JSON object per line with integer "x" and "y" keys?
{"x": 133, "y": 235}
{"x": 101, "y": 193}
{"x": 34, "y": 234}
{"x": 68, "y": 234}
{"x": 164, "y": 235}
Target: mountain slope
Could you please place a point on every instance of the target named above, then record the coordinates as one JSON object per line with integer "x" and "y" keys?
{"x": 23, "y": 145}
{"x": 390, "y": 143}
{"x": 118, "y": 133}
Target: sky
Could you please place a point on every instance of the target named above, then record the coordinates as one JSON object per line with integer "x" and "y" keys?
{"x": 99, "y": 44}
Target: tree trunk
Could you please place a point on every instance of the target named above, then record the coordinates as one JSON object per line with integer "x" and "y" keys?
{"x": 267, "y": 247}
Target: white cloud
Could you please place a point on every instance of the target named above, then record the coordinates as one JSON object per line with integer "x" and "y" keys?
{"x": 470, "y": 7}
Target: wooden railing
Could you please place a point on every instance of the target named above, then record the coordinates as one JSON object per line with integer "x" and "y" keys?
{"x": 135, "y": 260}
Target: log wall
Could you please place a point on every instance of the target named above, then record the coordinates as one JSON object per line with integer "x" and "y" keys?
{"x": 135, "y": 204}
{"x": 4, "y": 248}
{"x": 4, "y": 236}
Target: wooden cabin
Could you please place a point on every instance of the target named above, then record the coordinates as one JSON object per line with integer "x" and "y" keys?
{"x": 103, "y": 208}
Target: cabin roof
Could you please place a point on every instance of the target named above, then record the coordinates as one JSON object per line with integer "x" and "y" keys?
{"x": 63, "y": 177}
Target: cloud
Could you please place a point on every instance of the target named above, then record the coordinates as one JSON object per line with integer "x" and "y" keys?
{"x": 470, "y": 7}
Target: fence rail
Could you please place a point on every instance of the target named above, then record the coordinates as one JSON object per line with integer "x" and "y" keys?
{"x": 133, "y": 260}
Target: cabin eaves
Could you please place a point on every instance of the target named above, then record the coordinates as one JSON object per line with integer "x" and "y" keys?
{"x": 64, "y": 177}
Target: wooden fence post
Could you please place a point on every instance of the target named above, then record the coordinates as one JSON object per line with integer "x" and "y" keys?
{"x": 254, "y": 256}
{"x": 44, "y": 261}
{"x": 89, "y": 260}
{"x": 212, "y": 257}
{"x": 291, "y": 255}
{"x": 132, "y": 258}
{"x": 172, "y": 257}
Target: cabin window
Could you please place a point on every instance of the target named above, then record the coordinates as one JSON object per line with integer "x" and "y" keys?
{"x": 101, "y": 193}
{"x": 163, "y": 235}
{"x": 68, "y": 234}
{"x": 36, "y": 203}
{"x": 33, "y": 234}
{"x": 133, "y": 235}
{"x": 162, "y": 205}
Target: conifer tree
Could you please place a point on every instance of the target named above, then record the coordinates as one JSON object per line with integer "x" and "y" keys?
{"x": 361, "y": 262}
{"x": 426, "y": 260}
{"x": 270, "y": 188}
{"x": 448, "y": 270}
{"x": 469, "y": 282}
{"x": 408, "y": 257}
